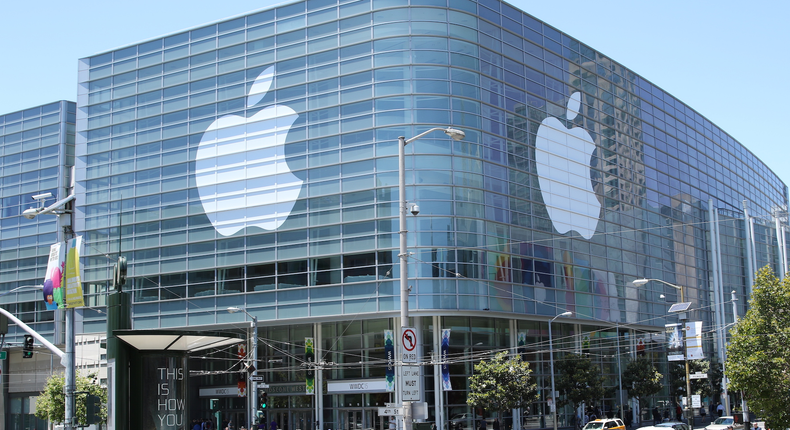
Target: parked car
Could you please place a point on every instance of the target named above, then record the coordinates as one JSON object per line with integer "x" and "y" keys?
{"x": 669, "y": 425}
{"x": 722, "y": 423}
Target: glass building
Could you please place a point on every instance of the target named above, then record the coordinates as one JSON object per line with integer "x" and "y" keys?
{"x": 254, "y": 163}
{"x": 36, "y": 154}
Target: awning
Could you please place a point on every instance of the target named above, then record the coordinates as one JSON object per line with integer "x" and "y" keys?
{"x": 173, "y": 340}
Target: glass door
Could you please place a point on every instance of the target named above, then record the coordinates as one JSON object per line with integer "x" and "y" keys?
{"x": 351, "y": 419}
{"x": 375, "y": 422}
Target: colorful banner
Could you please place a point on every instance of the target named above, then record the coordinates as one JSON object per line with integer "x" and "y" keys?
{"x": 522, "y": 345}
{"x": 242, "y": 385}
{"x": 309, "y": 357}
{"x": 74, "y": 297}
{"x": 445, "y": 351}
{"x": 389, "y": 352}
{"x": 53, "y": 281}
{"x": 694, "y": 340}
{"x": 674, "y": 342}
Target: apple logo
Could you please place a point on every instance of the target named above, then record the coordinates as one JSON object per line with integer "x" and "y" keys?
{"x": 241, "y": 174}
{"x": 563, "y": 157}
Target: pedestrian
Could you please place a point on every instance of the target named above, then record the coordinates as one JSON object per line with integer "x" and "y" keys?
{"x": 702, "y": 412}
{"x": 273, "y": 425}
{"x": 756, "y": 426}
{"x": 679, "y": 413}
{"x": 496, "y": 424}
{"x": 720, "y": 410}
{"x": 482, "y": 424}
{"x": 656, "y": 416}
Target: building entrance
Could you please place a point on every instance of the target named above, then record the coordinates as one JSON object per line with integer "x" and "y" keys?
{"x": 362, "y": 419}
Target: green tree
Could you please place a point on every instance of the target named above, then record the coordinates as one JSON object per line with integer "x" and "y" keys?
{"x": 677, "y": 374}
{"x": 51, "y": 403}
{"x": 715, "y": 375}
{"x": 579, "y": 380}
{"x": 642, "y": 379}
{"x": 501, "y": 384}
{"x": 758, "y": 356}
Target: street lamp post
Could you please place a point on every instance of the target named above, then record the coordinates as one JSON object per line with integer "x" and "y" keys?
{"x": 689, "y": 412}
{"x": 252, "y": 404}
{"x": 402, "y": 254}
{"x": 551, "y": 364}
{"x": 68, "y": 360}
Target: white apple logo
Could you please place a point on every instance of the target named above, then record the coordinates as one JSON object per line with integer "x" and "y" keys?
{"x": 563, "y": 163}
{"x": 240, "y": 170}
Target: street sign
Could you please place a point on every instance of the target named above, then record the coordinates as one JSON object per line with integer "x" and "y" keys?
{"x": 391, "y": 412}
{"x": 392, "y": 405}
{"x": 263, "y": 385}
{"x": 256, "y": 378}
{"x": 698, "y": 375}
{"x": 409, "y": 342}
{"x": 3, "y": 355}
{"x": 695, "y": 401}
{"x": 411, "y": 384}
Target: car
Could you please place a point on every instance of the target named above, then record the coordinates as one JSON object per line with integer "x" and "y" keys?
{"x": 605, "y": 424}
{"x": 722, "y": 423}
{"x": 669, "y": 425}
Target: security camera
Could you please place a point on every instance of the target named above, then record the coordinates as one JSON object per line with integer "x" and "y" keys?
{"x": 30, "y": 213}
{"x": 415, "y": 210}
{"x": 42, "y": 196}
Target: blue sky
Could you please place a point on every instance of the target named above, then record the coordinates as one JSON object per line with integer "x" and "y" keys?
{"x": 728, "y": 60}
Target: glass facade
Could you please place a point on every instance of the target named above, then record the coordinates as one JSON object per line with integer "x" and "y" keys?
{"x": 357, "y": 74}
{"x": 36, "y": 154}
{"x": 254, "y": 163}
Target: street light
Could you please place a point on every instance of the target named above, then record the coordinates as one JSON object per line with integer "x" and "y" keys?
{"x": 253, "y": 392}
{"x": 70, "y": 378}
{"x": 683, "y": 317}
{"x": 404, "y": 273}
{"x": 551, "y": 363}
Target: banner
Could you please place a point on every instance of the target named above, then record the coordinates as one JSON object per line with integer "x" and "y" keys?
{"x": 389, "y": 352}
{"x": 445, "y": 351}
{"x": 674, "y": 342}
{"x": 522, "y": 345}
{"x": 74, "y": 297}
{"x": 309, "y": 357}
{"x": 694, "y": 340}
{"x": 53, "y": 281}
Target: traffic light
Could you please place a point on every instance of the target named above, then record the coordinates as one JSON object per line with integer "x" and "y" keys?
{"x": 263, "y": 400}
{"x": 92, "y": 409}
{"x": 27, "y": 350}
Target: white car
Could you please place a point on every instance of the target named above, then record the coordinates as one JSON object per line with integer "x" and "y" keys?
{"x": 669, "y": 425}
{"x": 722, "y": 423}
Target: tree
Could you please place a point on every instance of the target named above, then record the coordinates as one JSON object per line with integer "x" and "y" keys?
{"x": 642, "y": 379}
{"x": 757, "y": 363}
{"x": 579, "y": 380}
{"x": 677, "y": 374}
{"x": 51, "y": 403}
{"x": 501, "y": 384}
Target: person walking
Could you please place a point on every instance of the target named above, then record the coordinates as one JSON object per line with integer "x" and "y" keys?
{"x": 720, "y": 410}
{"x": 656, "y": 416}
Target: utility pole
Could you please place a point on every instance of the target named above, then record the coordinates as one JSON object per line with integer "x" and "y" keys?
{"x": 744, "y": 406}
